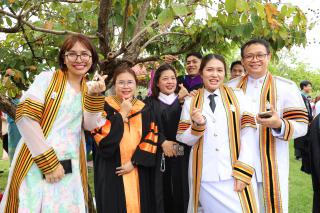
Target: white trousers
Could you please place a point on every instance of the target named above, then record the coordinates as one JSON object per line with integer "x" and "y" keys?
{"x": 219, "y": 197}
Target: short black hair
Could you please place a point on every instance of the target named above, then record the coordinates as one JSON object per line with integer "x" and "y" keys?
{"x": 195, "y": 54}
{"x": 235, "y": 63}
{"x": 208, "y": 58}
{"x": 255, "y": 41}
{"x": 304, "y": 84}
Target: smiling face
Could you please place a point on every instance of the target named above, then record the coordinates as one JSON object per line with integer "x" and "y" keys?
{"x": 213, "y": 74}
{"x": 167, "y": 82}
{"x": 193, "y": 65}
{"x": 237, "y": 70}
{"x": 255, "y": 60}
{"x": 125, "y": 86}
{"x": 78, "y": 60}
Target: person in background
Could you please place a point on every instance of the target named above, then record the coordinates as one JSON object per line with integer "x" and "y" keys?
{"x": 172, "y": 156}
{"x": 236, "y": 70}
{"x": 316, "y": 106}
{"x": 300, "y": 143}
{"x": 221, "y": 160}
{"x": 281, "y": 115}
{"x": 14, "y": 135}
{"x": 126, "y": 139}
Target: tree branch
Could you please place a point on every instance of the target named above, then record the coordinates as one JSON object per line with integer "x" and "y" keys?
{"x": 142, "y": 16}
{"x": 125, "y": 23}
{"x": 156, "y": 58}
{"x": 151, "y": 40}
{"x": 7, "y": 107}
{"x": 21, "y": 21}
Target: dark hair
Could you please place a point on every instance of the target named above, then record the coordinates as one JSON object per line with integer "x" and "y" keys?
{"x": 235, "y": 63}
{"x": 69, "y": 42}
{"x": 123, "y": 69}
{"x": 195, "y": 54}
{"x": 155, "y": 89}
{"x": 255, "y": 41}
{"x": 304, "y": 84}
{"x": 209, "y": 57}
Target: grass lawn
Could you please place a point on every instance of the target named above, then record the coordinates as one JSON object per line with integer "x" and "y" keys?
{"x": 300, "y": 186}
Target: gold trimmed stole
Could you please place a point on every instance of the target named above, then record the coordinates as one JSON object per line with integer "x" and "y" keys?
{"x": 269, "y": 167}
{"x": 232, "y": 109}
{"x": 45, "y": 116}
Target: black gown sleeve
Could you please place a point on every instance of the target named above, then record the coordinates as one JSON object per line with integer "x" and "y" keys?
{"x": 108, "y": 136}
{"x": 145, "y": 154}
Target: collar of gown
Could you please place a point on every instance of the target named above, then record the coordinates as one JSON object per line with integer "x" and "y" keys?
{"x": 167, "y": 99}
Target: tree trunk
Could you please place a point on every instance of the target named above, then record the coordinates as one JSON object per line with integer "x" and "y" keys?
{"x": 7, "y": 107}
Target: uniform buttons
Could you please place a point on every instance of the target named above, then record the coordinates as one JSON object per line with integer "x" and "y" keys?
{"x": 217, "y": 149}
{"x": 215, "y": 134}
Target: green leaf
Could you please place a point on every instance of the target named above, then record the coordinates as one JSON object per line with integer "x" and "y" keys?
{"x": 241, "y": 5}
{"x": 166, "y": 16}
{"x": 283, "y": 34}
{"x": 230, "y": 6}
{"x": 180, "y": 10}
{"x": 9, "y": 22}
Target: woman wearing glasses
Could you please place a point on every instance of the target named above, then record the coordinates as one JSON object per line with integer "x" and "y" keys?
{"x": 126, "y": 143}
{"x": 48, "y": 172}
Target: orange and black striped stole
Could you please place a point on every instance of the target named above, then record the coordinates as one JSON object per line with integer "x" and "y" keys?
{"x": 197, "y": 102}
{"x": 269, "y": 167}
{"x": 243, "y": 83}
{"x": 45, "y": 116}
{"x": 240, "y": 170}
{"x": 269, "y": 164}
{"x": 298, "y": 114}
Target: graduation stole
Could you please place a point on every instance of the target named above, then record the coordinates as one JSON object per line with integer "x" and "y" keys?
{"x": 232, "y": 109}
{"x": 272, "y": 195}
{"x": 45, "y": 115}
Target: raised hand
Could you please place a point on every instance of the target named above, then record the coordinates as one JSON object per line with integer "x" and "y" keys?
{"x": 197, "y": 117}
{"x": 98, "y": 85}
{"x": 125, "y": 109}
{"x": 182, "y": 93}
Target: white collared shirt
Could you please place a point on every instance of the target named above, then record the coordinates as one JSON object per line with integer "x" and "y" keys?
{"x": 217, "y": 163}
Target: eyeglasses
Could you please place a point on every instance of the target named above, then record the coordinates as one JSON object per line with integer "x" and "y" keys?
{"x": 259, "y": 57}
{"x": 84, "y": 57}
{"x": 128, "y": 83}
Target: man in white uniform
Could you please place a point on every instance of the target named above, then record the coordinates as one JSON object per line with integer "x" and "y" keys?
{"x": 286, "y": 119}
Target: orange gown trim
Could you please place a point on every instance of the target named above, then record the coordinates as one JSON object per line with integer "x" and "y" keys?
{"x": 130, "y": 140}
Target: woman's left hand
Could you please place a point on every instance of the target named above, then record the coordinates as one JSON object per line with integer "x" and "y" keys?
{"x": 98, "y": 86}
{"x": 239, "y": 185}
{"x": 125, "y": 168}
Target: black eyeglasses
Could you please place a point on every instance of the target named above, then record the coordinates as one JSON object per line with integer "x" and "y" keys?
{"x": 259, "y": 57}
{"x": 84, "y": 57}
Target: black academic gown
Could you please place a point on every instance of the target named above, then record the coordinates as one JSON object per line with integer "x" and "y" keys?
{"x": 301, "y": 144}
{"x": 109, "y": 188}
{"x": 314, "y": 149}
{"x": 172, "y": 192}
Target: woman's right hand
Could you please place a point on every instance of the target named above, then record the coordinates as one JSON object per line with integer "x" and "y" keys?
{"x": 125, "y": 108}
{"x": 167, "y": 147}
{"x": 56, "y": 175}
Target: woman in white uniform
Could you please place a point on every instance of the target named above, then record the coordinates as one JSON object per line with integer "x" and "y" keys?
{"x": 218, "y": 125}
